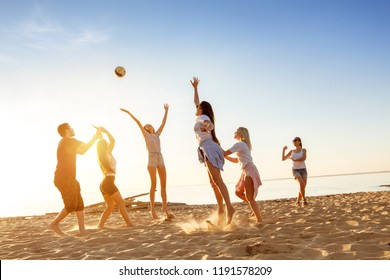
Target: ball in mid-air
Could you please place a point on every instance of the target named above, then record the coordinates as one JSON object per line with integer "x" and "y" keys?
{"x": 120, "y": 71}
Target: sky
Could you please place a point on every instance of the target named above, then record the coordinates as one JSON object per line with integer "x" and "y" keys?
{"x": 319, "y": 70}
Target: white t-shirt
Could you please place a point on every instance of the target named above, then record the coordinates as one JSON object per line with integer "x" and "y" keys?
{"x": 199, "y": 134}
{"x": 243, "y": 153}
{"x": 152, "y": 141}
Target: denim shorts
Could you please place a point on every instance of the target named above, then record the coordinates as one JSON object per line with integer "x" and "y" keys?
{"x": 212, "y": 152}
{"x": 300, "y": 173}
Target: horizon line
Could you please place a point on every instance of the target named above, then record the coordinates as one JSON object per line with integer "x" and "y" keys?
{"x": 334, "y": 175}
{"x": 289, "y": 178}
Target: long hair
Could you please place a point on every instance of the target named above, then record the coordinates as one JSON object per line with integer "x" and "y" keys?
{"x": 101, "y": 149}
{"x": 300, "y": 141}
{"x": 153, "y": 131}
{"x": 208, "y": 111}
{"x": 245, "y": 136}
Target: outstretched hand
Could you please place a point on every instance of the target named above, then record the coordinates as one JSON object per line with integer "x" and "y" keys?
{"x": 98, "y": 133}
{"x": 124, "y": 110}
{"x": 195, "y": 82}
{"x": 102, "y": 129}
{"x": 166, "y": 106}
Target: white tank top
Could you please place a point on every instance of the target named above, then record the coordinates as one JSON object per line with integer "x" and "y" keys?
{"x": 298, "y": 164}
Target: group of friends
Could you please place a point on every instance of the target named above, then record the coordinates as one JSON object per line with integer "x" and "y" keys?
{"x": 210, "y": 153}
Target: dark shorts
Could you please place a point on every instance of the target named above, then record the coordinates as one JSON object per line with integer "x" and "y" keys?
{"x": 107, "y": 186}
{"x": 300, "y": 173}
{"x": 71, "y": 193}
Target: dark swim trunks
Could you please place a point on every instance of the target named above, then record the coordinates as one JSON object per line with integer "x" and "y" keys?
{"x": 71, "y": 193}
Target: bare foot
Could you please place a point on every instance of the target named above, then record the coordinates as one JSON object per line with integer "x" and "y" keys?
{"x": 56, "y": 229}
{"x": 169, "y": 216}
{"x": 229, "y": 215}
{"x": 221, "y": 218}
{"x": 211, "y": 226}
{"x": 82, "y": 233}
{"x": 259, "y": 224}
{"x": 154, "y": 214}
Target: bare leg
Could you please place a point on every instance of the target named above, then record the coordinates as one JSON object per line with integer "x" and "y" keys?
{"x": 301, "y": 193}
{"x": 302, "y": 188}
{"x": 250, "y": 191}
{"x": 221, "y": 209}
{"x": 242, "y": 196}
{"x": 217, "y": 178}
{"x": 54, "y": 225}
{"x": 107, "y": 212}
{"x": 80, "y": 220}
{"x": 117, "y": 197}
{"x": 162, "y": 173}
{"x": 299, "y": 198}
{"x": 153, "y": 183}
{"x": 218, "y": 195}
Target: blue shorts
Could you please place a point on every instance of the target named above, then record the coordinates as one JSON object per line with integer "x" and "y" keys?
{"x": 212, "y": 152}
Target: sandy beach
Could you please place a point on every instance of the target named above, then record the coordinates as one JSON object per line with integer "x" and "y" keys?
{"x": 332, "y": 227}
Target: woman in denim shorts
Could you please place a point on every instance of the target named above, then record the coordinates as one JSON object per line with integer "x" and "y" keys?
{"x": 298, "y": 157}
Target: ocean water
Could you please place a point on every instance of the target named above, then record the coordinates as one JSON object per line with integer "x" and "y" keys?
{"x": 203, "y": 194}
{"x": 285, "y": 188}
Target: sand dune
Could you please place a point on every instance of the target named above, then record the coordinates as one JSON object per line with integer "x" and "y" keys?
{"x": 345, "y": 226}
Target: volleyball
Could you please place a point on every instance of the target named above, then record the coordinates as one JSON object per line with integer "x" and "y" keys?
{"x": 120, "y": 71}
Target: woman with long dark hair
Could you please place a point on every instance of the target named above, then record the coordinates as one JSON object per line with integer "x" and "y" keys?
{"x": 298, "y": 157}
{"x": 210, "y": 153}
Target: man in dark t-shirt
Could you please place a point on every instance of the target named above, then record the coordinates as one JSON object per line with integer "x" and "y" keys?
{"x": 65, "y": 176}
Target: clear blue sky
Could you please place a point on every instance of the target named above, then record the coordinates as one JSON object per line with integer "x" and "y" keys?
{"x": 315, "y": 69}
